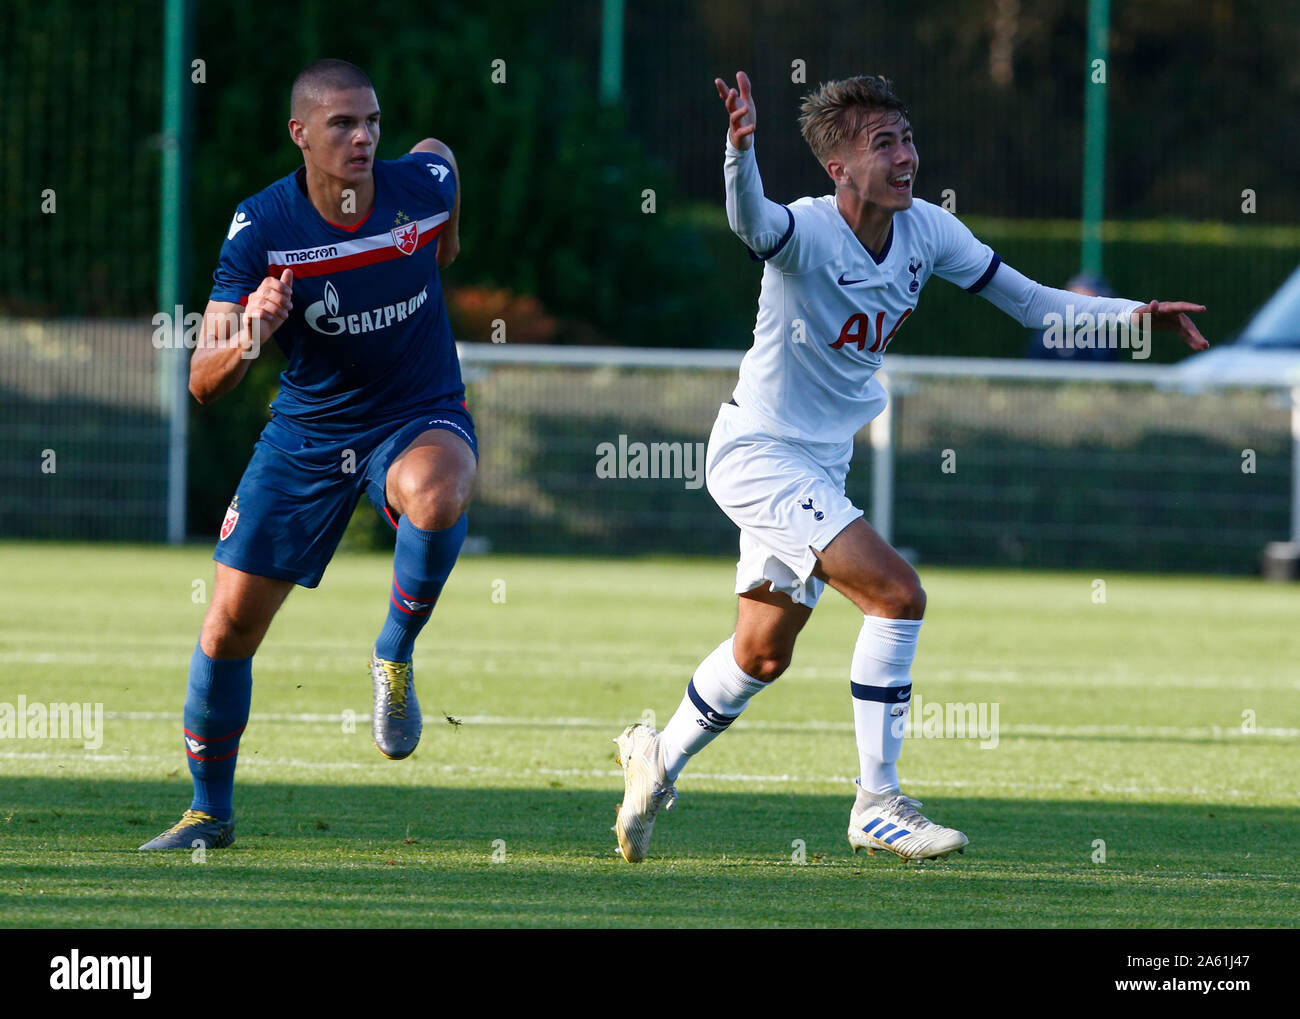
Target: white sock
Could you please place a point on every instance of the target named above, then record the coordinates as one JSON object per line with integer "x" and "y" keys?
{"x": 716, "y": 694}
{"x": 881, "y": 683}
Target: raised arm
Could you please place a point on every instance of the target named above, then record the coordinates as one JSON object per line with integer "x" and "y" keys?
{"x": 233, "y": 336}
{"x": 760, "y": 223}
{"x": 449, "y": 239}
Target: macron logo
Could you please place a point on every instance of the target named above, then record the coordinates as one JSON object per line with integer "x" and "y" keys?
{"x": 194, "y": 745}
{"x": 102, "y": 973}
{"x": 240, "y": 221}
{"x": 438, "y": 171}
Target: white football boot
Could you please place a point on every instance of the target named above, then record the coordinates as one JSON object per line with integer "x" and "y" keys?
{"x": 898, "y": 826}
{"x": 645, "y": 790}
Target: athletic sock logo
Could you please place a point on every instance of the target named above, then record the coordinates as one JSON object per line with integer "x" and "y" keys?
{"x": 713, "y": 721}
{"x": 410, "y": 605}
{"x": 222, "y": 748}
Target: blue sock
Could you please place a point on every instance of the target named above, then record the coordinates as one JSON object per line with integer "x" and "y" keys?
{"x": 216, "y": 711}
{"x": 421, "y": 564}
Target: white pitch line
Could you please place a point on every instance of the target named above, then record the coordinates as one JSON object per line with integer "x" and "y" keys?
{"x": 1009, "y": 730}
{"x": 555, "y": 660}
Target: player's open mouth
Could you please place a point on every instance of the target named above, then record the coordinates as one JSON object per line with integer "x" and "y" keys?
{"x": 903, "y": 182}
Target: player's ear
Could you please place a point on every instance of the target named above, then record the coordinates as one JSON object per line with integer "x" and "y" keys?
{"x": 298, "y": 133}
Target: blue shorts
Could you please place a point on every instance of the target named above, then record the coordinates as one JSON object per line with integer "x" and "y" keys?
{"x": 299, "y": 492}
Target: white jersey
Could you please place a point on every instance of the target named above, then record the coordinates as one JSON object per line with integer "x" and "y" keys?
{"x": 829, "y": 309}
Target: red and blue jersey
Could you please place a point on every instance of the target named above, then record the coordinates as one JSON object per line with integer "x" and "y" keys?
{"x": 368, "y": 339}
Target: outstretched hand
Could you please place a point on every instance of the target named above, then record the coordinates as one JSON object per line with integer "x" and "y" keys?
{"x": 1168, "y": 316}
{"x": 740, "y": 109}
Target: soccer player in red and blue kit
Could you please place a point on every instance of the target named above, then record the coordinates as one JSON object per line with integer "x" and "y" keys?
{"x": 339, "y": 261}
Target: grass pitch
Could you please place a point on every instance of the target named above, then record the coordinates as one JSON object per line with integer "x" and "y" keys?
{"x": 1144, "y": 773}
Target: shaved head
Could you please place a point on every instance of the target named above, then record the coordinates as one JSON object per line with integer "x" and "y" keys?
{"x": 317, "y": 80}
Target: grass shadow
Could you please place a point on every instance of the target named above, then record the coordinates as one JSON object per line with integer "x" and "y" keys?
{"x": 325, "y": 856}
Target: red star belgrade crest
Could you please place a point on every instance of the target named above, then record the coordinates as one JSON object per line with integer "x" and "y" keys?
{"x": 406, "y": 237}
{"x": 232, "y": 518}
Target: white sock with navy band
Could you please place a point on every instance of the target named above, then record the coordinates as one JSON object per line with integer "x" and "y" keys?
{"x": 716, "y": 694}
{"x": 881, "y": 683}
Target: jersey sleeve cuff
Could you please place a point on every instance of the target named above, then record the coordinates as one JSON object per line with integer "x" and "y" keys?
{"x": 982, "y": 282}
{"x": 230, "y": 296}
{"x": 785, "y": 239}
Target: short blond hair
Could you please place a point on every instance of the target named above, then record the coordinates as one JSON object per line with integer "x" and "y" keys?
{"x": 836, "y": 113}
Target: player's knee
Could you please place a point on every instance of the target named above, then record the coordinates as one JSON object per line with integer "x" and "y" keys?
{"x": 434, "y": 506}
{"x": 231, "y": 633}
{"x": 901, "y": 598}
{"x": 770, "y": 667}
{"x": 764, "y": 663}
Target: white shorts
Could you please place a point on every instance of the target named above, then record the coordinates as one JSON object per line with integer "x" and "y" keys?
{"x": 786, "y": 496}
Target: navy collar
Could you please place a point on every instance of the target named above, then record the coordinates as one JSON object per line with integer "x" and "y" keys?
{"x": 884, "y": 252}
{"x": 889, "y": 239}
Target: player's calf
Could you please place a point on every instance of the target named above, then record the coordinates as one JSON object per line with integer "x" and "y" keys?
{"x": 216, "y": 712}
{"x": 422, "y": 562}
{"x": 767, "y": 625}
{"x": 243, "y": 605}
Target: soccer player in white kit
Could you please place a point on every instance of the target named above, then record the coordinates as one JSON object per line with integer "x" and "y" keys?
{"x": 841, "y": 275}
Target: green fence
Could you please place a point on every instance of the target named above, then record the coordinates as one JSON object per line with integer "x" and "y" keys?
{"x": 1053, "y": 471}
{"x": 556, "y": 228}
